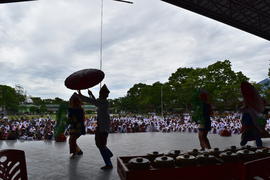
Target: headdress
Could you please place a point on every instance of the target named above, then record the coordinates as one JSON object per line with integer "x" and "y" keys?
{"x": 104, "y": 89}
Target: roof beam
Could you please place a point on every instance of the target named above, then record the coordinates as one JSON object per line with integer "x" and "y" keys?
{"x": 237, "y": 13}
{"x": 11, "y": 1}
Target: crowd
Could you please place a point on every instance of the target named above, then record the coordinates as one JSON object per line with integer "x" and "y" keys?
{"x": 26, "y": 128}
{"x": 170, "y": 123}
{"x": 42, "y": 128}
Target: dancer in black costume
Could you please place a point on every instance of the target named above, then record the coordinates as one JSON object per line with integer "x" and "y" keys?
{"x": 103, "y": 123}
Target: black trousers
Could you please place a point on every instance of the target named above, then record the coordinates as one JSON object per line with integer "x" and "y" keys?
{"x": 101, "y": 143}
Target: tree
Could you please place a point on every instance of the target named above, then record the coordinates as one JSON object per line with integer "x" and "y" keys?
{"x": 183, "y": 83}
{"x": 9, "y": 100}
{"x": 222, "y": 83}
{"x": 37, "y": 101}
{"x": 42, "y": 108}
{"x": 135, "y": 100}
{"x": 58, "y": 100}
{"x": 20, "y": 93}
{"x": 34, "y": 109}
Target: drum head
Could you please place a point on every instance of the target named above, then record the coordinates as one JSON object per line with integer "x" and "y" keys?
{"x": 84, "y": 79}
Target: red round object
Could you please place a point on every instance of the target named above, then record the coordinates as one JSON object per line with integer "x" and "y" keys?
{"x": 61, "y": 138}
{"x": 84, "y": 79}
{"x": 252, "y": 97}
{"x": 225, "y": 132}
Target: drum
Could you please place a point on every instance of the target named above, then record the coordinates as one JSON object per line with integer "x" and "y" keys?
{"x": 84, "y": 79}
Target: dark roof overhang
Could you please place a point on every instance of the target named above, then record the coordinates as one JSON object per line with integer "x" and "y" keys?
{"x": 11, "y": 1}
{"x": 252, "y": 16}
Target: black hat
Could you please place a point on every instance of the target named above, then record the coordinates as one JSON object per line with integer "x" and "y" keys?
{"x": 104, "y": 89}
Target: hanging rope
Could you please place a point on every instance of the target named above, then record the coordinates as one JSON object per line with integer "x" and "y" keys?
{"x": 101, "y": 38}
{"x": 124, "y": 1}
{"x": 101, "y": 33}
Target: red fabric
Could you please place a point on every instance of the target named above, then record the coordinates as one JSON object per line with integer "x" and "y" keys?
{"x": 251, "y": 96}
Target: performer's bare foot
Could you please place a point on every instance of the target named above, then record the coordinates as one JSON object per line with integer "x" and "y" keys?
{"x": 106, "y": 167}
{"x": 73, "y": 155}
{"x": 80, "y": 152}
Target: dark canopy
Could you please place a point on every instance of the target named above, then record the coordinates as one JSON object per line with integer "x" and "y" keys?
{"x": 10, "y": 1}
{"x": 252, "y": 16}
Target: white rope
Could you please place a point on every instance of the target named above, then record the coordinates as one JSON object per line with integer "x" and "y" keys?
{"x": 101, "y": 38}
{"x": 101, "y": 34}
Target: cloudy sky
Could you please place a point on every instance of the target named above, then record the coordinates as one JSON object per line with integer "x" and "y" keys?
{"x": 43, "y": 42}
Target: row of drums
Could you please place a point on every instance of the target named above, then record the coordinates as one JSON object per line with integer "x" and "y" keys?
{"x": 195, "y": 157}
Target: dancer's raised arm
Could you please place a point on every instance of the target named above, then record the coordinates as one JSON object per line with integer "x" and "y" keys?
{"x": 91, "y": 99}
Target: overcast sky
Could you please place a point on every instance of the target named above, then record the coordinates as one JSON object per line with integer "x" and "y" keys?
{"x": 43, "y": 42}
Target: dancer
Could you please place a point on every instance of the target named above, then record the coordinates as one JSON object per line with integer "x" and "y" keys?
{"x": 76, "y": 121}
{"x": 103, "y": 123}
{"x": 202, "y": 116}
{"x": 253, "y": 107}
{"x": 262, "y": 121}
{"x": 250, "y": 130}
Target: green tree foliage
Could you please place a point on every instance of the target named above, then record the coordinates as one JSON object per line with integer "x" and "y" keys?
{"x": 42, "y": 109}
{"x": 266, "y": 96}
{"x": 34, "y": 110}
{"x": 183, "y": 82}
{"x": 37, "y": 101}
{"x": 266, "y": 90}
{"x": 117, "y": 105}
{"x": 58, "y": 100}
{"x": 222, "y": 83}
{"x": 12, "y": 100}
{"x": 137, "y": 97}
{"x": 9, "y": 99}
{"x": 20, "y": 93}
{"x": 40, "y": 104}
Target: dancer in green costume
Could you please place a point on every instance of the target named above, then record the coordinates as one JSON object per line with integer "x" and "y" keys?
{"x": 201, "y": 115}
{"x": 61, "y": 120}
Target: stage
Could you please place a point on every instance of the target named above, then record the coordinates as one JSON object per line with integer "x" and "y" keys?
{"x": 48, "y": 160}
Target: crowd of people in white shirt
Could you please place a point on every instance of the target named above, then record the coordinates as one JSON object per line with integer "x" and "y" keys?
{"x": 42, "y": 128}
{"x": 26, "y": 128}
{"x": 170, "y": 123}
